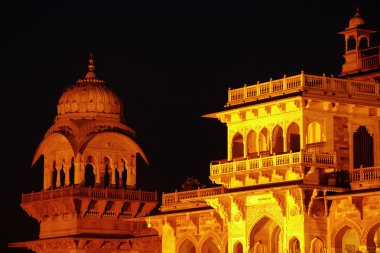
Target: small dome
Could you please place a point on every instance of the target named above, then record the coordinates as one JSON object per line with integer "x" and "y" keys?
{"x": 356, "y": 20}
{"x": 89, "y": 95}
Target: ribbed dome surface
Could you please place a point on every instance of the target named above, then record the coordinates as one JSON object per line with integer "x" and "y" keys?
{"x": 356, "y": 20}
{"x": 89, "y": 95}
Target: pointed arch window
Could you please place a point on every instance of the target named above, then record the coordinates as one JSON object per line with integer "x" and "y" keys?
{"x": 363, "y": 148}
{"x": 237, "y": 146}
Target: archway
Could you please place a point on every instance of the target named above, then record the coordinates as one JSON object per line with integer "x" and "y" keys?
{"x": 294, "y": 245}
{"x": 237, "y": 146}
{"x": 278, "y": 140}
{"x": 238, "y": 247}
{"x": 251, "y": 144}
{"x": 363, "y": 43}
{"x": 187, "y": 247}
{"x": 317, "y": 246}
{"x": 265, "y": 237}
{"x": 89, "y": 172}
{"x": 54, "y": 175}
{"x": 264, "y": 142}
{"x": 211, "y": 245}
{"x": 347, "y": 240}
{"x": 72, "y": 172}
{"x": 106, "y": 174}
{"x": 293, "y": 134}
{"x": 351, "y": 44}
{"x": 373, "y": 239}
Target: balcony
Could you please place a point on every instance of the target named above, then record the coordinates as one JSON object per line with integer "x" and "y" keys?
{"x": 270, "y": 162}
{"x": 365, "y": 178}
{"x": 87, "y": 192}
{"x": 319, "y": 85}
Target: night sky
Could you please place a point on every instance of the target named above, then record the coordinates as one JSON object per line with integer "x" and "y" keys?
{"x": 170, "y": 63}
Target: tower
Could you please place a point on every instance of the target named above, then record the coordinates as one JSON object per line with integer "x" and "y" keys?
{"x": 89, "y": 180}
{"x": 361, "y": 53}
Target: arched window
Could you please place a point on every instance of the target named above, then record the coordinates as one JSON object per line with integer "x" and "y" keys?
{"x": 72, "y": 172}
{"x": 294, "y": 138}
{"x": 89, "y": 175}
{"x": 363, "y": 43}
{"x": 251, "y": 144}
{"x": 264, "y": 142}
{"x": 124, "y": 174}
{"x": 237, "y": 146}
{"x": 54, "y": 175}
{"x": 186, "y": 247}
{"x": 347, "y": 240}
{"x": 317, "y": 246}
{"x": 363, "y": 148}
{"x": 278, "y": 140}
{"x": 294, "y": 245}
{"x": 107, "y": 173}
{"x": 238, "y": 248}
{"x": 314, "y": 133}
{"x": 351, "y": 44}
{"x": 211, "y": 245}
{"x": 265, "y": 236}
{"x": 62, "y": 176}
{"x": 373, "y": 238}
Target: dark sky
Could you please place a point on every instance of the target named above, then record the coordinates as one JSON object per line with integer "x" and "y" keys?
{"x": 171, "y": 63}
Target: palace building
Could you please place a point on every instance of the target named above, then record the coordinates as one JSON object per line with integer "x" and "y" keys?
{"x": 301, "y": 174}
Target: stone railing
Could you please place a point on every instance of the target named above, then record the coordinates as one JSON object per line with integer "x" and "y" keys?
{"x": 252, "y": 164}
{"x": 313, "y": 83}
{"x": 365, "y": 174}
{"x": 177, "y": 196}
{"x": 99, "y": 193}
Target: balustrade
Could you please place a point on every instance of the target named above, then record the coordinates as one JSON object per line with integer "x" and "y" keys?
{"x": 272, "y": 161}
{"x": 312, "y": 82}
{"x": 76, "y": 191}
{"x": 171, "y": 198}
{"x": 365, "y": 174}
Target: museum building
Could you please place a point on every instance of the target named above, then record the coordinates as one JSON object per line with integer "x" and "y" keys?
{"x": 301, "y": 173}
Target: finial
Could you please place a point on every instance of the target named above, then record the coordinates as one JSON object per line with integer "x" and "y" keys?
{"x": 90, "y": 74}
{"x": 357, "y": 10}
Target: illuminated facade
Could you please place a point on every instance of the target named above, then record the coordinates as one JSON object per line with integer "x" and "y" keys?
{"x": 301, "y": 175}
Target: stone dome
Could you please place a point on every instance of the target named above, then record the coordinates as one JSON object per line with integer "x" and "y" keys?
{"x": 356, "y": 20}
{"x": 89, "y": 95}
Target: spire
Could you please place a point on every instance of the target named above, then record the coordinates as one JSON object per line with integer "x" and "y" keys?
{"x": 90, "y": 74}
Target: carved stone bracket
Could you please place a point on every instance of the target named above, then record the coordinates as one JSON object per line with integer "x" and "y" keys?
{"x": 358, "y": 203}
{"x": 281, "y": 200}
{"x": 296, "y": 194}
{"x": 239, "y": 205}
{"x": 221, "y": 207}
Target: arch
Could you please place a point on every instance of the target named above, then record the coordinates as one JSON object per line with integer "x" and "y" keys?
{"x": 89, "y": 171}
{"x": 264, "y": 141}
{"x": 238, "y": 247}
{"x": 54, "y": 175}
{"x": 293, "y": 140}
{"x": 265, "y": 236}
{"x": 316, "y": 245}
{"x": 72, "y": 172}
{"x": 294, "y": 245}
{"x": 124, "y": 173}
{"x": 186, "y": 244}
{"x": 346, "y": 238}
{"x": 278, "y": 140}
{"x": 211, "y": 245}
{"x": 105, "y": 177}
{"x": 122, "y": 140}
{"x": 251, "y": 144}
{"x": 50, "y": 144}
{"x": 237, "y": 146}
{"x": 314, "y": 133}
{"x": 363, "y": 148}
{"x": 351, "y": 44}
{"x": 363, "y": 43}
{"x": 373, "y": 238}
